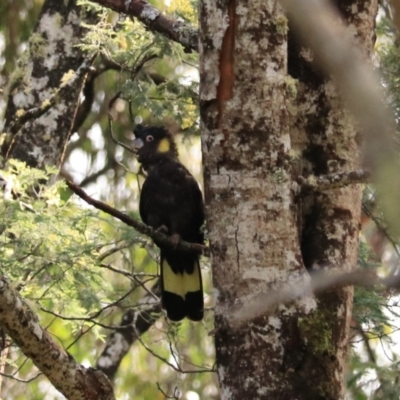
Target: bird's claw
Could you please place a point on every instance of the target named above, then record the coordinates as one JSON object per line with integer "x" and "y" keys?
{"x": 162, "y": 229}
{"x": 175, "y": 239}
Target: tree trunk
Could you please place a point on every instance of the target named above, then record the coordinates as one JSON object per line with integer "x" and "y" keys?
{"x": 52, "y": 56}
{"x": 248, "y": 155}
{"x": 330, "y": 218}
{"x": 247, "y": 175}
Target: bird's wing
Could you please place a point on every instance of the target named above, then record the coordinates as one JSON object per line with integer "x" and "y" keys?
{"x": 172, "y": 197}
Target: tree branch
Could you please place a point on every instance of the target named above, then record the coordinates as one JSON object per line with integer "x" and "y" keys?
{"x": 139, "y": 226}
{"x": 74, "y": 381}
{"x": 267, "y": 303}
{"x": 151, "y": 17}
{"x": 333, "y": 181}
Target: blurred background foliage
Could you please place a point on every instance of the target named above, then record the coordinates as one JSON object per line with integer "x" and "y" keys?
{"x": 81, "y": 269}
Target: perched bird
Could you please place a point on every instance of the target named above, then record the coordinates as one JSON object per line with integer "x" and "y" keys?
{"x": 171, "y": 201}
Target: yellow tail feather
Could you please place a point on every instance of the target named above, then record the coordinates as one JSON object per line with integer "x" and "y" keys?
{"x": 192, "y": 282}
{"x": 172, "y": 282}
{"x": 180, "y": 284}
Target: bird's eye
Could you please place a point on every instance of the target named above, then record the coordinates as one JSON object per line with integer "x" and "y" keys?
{"x": 149, "y": 138}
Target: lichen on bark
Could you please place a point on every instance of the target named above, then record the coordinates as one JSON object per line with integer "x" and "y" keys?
{"x": 249, "y": 128}
{"x": 50, "y": 54}
{"x": 247, "y": 173}
{"x": 326, "y": 137}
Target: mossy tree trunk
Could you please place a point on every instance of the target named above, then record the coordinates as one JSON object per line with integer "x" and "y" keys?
{"x": 261, "y": 236}
{"x": 52, "y": 57}
{"x": 328, "y": 142}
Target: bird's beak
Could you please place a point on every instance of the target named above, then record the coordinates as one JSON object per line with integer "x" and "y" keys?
{"x": 137, "y": 144}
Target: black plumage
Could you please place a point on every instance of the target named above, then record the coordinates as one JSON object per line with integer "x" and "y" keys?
{"x": 171, "y": 200}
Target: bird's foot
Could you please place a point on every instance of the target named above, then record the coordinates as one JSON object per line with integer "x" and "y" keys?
{"x": 175, "y": 239}
{"x": 162, "y": 229}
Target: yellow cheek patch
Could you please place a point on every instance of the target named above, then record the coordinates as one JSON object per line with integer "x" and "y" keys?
{"x": 163, "y": 146}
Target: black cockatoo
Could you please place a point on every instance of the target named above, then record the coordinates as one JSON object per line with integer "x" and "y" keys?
{"x": 171, "y": 200}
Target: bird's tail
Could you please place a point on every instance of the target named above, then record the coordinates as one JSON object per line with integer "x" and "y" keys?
{"x": 181, "y": 286}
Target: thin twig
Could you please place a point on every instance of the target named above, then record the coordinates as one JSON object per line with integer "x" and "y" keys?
{"x": 94, "y": 315}
{"x": 174, "y": 396}
{"x": 177, "y": 368}
{"x": 110, "y": 124}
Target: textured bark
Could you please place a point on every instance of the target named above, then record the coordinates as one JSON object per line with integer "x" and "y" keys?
{"x": 50, "y": 58}
{"x": 73, "y": 380}
{"x": 298, "y": 352}
{"x": 360, "y": 86}
{"x": 327, "y": 140}
{"x": 247, "y": 175}
{"x": 334, "y": 181}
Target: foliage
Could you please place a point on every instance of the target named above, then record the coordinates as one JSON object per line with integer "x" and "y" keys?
{"x": 54, "y": 247}
{"x": 60, "y": 254}
{"x": 373, "y": 363}
{"x": 388, "y": 51}
{"x": 160, "y": 91}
